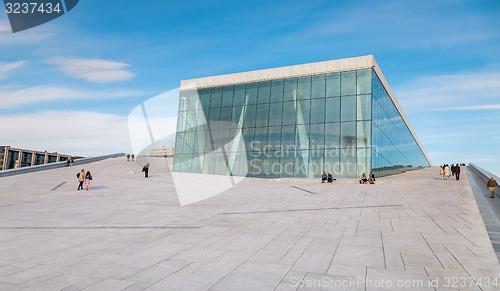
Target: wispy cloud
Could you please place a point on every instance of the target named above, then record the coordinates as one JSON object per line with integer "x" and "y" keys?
{"x": 469, "y": 108}
{"x": 29, "y": 37}
{"x": 463, "y": 90}
{"x": 56, "y": 131}
{"x": 7, "y": 68}
{"x": 11, "y": 97}
{"x": 93, "y": 70}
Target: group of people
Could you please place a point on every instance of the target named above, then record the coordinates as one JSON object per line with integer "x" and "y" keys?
{"x": 370, "y": 180}
{"x": 327, "y": 177}
{"x": 84, "y": 178}
{"x": 445, "y": 171}
{"x": 129, "y": 157}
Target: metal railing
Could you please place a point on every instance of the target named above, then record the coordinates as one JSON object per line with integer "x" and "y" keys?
{"x": 50, "y": 166}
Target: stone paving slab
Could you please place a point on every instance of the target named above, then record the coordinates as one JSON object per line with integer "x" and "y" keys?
{"x": 130, "y": 233}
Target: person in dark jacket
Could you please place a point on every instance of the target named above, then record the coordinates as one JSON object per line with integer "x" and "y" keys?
{"x": 145, "y": 169}
{"x": 457, "y": 172}
{"x": 88, "y": 178}
{"x": 492, "y": 183}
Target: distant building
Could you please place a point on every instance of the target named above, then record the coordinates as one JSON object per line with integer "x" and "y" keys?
{"x": 162, "y": 151}
{"x": 13, "y": 158}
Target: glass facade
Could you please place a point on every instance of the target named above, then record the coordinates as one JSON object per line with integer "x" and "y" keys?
{"x": 344, "y": 123}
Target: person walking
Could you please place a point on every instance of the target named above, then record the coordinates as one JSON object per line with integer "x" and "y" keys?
{"x": 88, "y": 178}
{"x": 492, "y": 183}
{"x": 145, "y": 169}
{"x": 453, "y": 169}
{"x": 133, "y": 157}
{"x": 128, "y": 157}
{"x": 81, "y": 179}
{"x": 447, "y": 171}
{"x": 441, "y": 172}
{"x": 457, "y": 172}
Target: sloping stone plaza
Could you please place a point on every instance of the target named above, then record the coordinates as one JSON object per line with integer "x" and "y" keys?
{"x": 408, "y": 231}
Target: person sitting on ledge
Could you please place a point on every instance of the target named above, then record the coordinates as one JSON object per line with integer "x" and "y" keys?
{"x": 371, "y": 176}
{"x": 330, "y": 178}
{"x": 363, "y": 179}
{"x": 323, "y": 177}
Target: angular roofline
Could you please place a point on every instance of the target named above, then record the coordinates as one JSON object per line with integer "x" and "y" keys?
{"x": 325, "y": 67}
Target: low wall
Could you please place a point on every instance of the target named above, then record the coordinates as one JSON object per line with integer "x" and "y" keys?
{"x": 57, "y": 165}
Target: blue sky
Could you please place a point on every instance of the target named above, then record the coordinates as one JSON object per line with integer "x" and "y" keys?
{"x": 69, "y": 85}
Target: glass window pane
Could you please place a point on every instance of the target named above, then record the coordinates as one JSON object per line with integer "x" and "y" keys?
{"x": 239, "y": 95}
{"x": 304, "y": 88}
{"x": 289, "y": 113}
{"x": 275, "y": 114}
{"x": 303, "y": 111}
{"x": 288, "y": 137}
{"x": 204, "y": 98}
{"x": 262, "y": 114}
{"x": 364, "y": 81}
{"x": 215, "y": 97}
{"x": 332, "y": 135}
{"x": 249, "y": 119}
{"x": 318, "y": 110}
{"x": 277, "y": 91}
{"x": 348, "y": 83}
{"x": 251, "y": 93}
{"x": 290, "y": 91}
{"x": 364, "y": 133}
{"x": 348, "y": 134}
{"x": 364, "y": 105}
{"x": 333, "y": 109}
{"x": 227, "y": 96}
{"x": 274, "y": 136}
{"x": 264, "y": 92}
{"x": 236, "y": 115}
{"x": 333, "y": 85}
{"x": 348, "y": 108}
{"x": 318, "y": 86}
{"x": 317, "y": 136}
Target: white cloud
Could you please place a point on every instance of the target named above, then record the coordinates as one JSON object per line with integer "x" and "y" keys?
{"x": 6, "y": 68}
{"x": 10, "y": 98}
{"x": 70, "y": 132}
{"x": 470, "y": 108}
{"x": 461, "y": 90}
{"x": 29, "y": 37}
{"x": 93, "y": 70}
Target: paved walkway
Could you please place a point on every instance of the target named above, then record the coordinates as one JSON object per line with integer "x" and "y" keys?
{"x": 129, "y": 233}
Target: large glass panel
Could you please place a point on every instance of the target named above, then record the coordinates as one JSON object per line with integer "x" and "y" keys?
{"x": 290, "y": 91}
{"x": 348, "y": 134}
{"x": 364, "y": 107}
{"x": 364, "y": 134}
{"x": 264, "y": 92}
{"x": 204, "y": 98}
{"x": 288, "y": 137}
{"x": 275, "y": 113}
{"x": 348, "y": 167}
{"x": 318, "y": 86}
{"x": 251, "y": 93}
{"x": 215, "y": 97}
{"x": 333, "y": 85}
{"x": 348, "y": 83}
{"x": 262, "y": 118}
{"x": 249, "y": 119}
{"x": 303, "y": 111}
{"x": 236, "y": 115}
{"x": 318, "y": 110}
{"x": 364, "y": 81}
{"x": 304, "y": 88}
{"x": 332, "y": 109}
{"x": 277, "y": 91}
{"x": 317, "y": 136}
{"x": 348, "y": 108}
{"x": 239, "y": 95}
{"x": 227, "y": 96}
{"x": 332, "y": 135}
{"x": 289, "y": 113}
